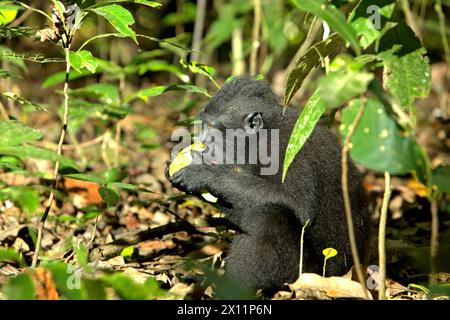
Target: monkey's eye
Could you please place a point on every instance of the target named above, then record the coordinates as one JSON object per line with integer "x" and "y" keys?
{"x": 253, "y": 122}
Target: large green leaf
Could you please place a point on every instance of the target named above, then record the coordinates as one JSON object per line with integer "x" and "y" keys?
{"x": 148, "y": 3}
{"x": 309, "y": 60}
{"x": 85, "y": 177}
{"x": 146, "y": 93}
{"x": 304, "y": 126}
{"x": 83, "y": 59}
{"x": 408, "y": 76}
{"x": 14, "y": 133}
{"x": 119, "y": 17}
{"x": 25, "y": 197}
{"x": 366, "y": 28}
{"x": 440, "y": 179}
{"x": 110, "y": 195}
{"x": 379, "y": 144}
{"x": 20, "y": 287}
{"x": 24, "y": 152}
{"x": 333, "y": 17}
{"x": 345, "y": 80}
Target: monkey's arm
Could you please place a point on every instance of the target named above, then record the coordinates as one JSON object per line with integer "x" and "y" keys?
{"x": 240, "y": 189}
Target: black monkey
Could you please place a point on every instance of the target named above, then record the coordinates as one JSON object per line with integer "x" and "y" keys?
{"x": 270, "y": 214}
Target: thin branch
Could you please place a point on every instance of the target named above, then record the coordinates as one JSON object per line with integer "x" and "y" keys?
{"x": 255, "y": 37}
{"x": 434, "y": 240}
{"x": 300, "y": 266}
{"x": 345, "y": 194}
{"x": 59, "y": 152}
{"x": 382, "y": 236}
{"x": 198, "y": 29}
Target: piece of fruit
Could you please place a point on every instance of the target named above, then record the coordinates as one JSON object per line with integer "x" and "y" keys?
{"x": 183, "y": 159}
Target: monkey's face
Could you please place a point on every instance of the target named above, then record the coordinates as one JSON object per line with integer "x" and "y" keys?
{"x": 235, "y": 131}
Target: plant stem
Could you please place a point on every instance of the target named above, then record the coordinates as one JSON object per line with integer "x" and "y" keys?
{"x": 434, "y": 240}
{"x": 347, "y": 205}
{"x": 255, "y": 37}
{"x": 59, "y": 152}
{"x": 300, "y": 266}
{"x": 382, "y": 236}
{"x": 198, "y": 29}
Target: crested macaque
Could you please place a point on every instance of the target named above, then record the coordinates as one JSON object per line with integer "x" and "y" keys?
{"x": 268, "y": 212}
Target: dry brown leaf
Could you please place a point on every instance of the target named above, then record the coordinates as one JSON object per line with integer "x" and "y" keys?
{"x": 84, "y": 192}
{"x": 44, "y": 284}
{"x": 335, "y": 287}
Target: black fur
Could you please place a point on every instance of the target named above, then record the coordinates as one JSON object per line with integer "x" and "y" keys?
{"x": 265, "y": 254}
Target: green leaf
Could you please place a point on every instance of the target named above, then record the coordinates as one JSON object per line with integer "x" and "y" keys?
{"x": 67, "y": 279}
{"x": 309, "y": 60}
{"x": 14, "y": 133}
{"x": 109, "y": 195}
{"x": 119, "y": 17}
{"x": 125, "y": 287}
{"x": 367, "y": 28}
{"x": 378, "y": 143}
{"x": 82, "y": 254}
{"x": 144, "y": 94}
{"x": 83, "y": 60}
{"x": 26, "y": 198}
{"x": 440, "y": 179}
{"x": 129, "y": 187}
{"x": 59, "y": 77}
{"x": 108, "y": 93}
{"x": 85, "y": 177}
{"x": 114, "y": 175}
{"x": 20, "y": 287}
{"x": 11, "y": 254}
{"x": 148, "y": 3}
{"x": 408, "y": 76}
{"x": 127, "y": 252}
{"x": 333, "y": 17}
{"x": 8, "y": 13}
{"x": 23, "y": 101}
{"x": 343, "y": 82}
{"x": 24, "y": 152}
{"x": 303, "y": 128}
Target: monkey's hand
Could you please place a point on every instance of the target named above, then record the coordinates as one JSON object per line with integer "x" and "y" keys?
{"x": 192, "y": 178}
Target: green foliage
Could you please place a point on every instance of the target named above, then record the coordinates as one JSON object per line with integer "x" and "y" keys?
{"x": 333, "y": 17}
{"x": 346, "y": 79}
{"x": 20, "y": 287}
{"x": 119, "y": 17}
{"x": 303, "y": 128}
{"x": 309, "y": 60}
{"x": 378, "y": 143}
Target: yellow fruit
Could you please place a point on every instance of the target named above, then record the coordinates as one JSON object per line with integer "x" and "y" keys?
{"x": 183, "y": 159}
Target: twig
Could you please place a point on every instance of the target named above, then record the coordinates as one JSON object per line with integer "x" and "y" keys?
{"x": 237, "y": 52}
{"x": 255, "y": 37}
{"x": 347, "y": 205}
{"x": 434, "y": 240}
{"x": 198, "y": 29}
{"x": 382, "y": 236}
{"x": 59, "y": 152}
{"x": 410, "y": 18}
{"x": 300, "y": 266}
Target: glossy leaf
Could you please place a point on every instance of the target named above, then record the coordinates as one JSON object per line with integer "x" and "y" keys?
{"x": 309, "y": 60}
{"x": 119, "y": 17}
{"x": 303, "y": 128}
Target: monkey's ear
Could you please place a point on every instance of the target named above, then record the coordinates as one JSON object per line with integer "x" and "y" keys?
{"x": 253, "y": 122}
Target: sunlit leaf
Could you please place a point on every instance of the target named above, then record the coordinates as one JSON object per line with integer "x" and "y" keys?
{"x": 303, "y": 128}
{"x": 119, "y": 17}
